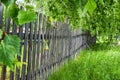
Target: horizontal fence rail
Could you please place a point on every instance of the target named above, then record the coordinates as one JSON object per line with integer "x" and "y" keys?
{"x": 44, "y": 48}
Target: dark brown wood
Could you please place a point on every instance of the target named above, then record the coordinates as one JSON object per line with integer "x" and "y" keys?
{"x": 1, "y": 14}
{"x": 3, "y": 76}
{"x": 7, "y": 25}
{"x": 14, "y": 31}
{"x": 23, "y": 75}
{"x": 29, "y": 70}
{"x": 11, "y": 75}
{"x": 19, "y": 57}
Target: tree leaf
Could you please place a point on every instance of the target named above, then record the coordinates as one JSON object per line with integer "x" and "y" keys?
{"x": 26, "y": 16}
{"x": 7, "y": 2}
{"x": 14, "y": 41}
{"x": 9, "y": 48}
{"x": 29, "y": 7}
{"x": 90, "y": 6}
{"x": 101, "y": 1}
{"x": 12, "y": 11}
{"x": 6, "y": 54}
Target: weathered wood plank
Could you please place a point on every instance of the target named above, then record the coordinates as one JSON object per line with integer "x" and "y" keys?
{"x": 29, "y": 72}
{"x": 42, "y": 60}
{"x": 1, "y": 14}
{"x": 48, "y": 32}
{"x": 38, "y": 47}
{"x": 7, "y": 25}
{"x": 14, "y": 31}
{"x": 3, "y": 76}
{"x": 18, "y": 57}
{"x": 34, "y": 51}
{"x": 23, "y": 76}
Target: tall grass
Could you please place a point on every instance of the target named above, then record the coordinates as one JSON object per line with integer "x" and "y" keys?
{"x": 102, "y": 62}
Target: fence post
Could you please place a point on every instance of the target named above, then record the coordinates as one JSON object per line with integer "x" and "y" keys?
{"x": 38, "y": 47}
{"x": 30, "y": 48}
{"x": 70, "y": 43}
{"x": 23, "y": 76}
{"x": 1, "y": 14}
{"x": 17, "y": 75}
{"x": 42, "y": 51}
{"x": 3, "y": 76}
{"x": 3, "y": 72}
{"x": 14, "y": 31}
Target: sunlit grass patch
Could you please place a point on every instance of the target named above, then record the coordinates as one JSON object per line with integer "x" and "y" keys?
{"x": 102, "y": 62}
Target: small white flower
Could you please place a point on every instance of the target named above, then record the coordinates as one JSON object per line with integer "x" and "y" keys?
{"x": 20, "y": 2}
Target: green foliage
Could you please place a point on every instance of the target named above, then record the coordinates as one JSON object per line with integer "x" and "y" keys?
{"x": 26, "y": 16}
{"x": 19, "y": 16}
{"x": 97, "y": 64}
{"x": 91, "y": 6}
{"x": 14, "y": 41}
{"x": 101, "y": 17}
{"x": 0, "y": 33}
{"x": 9, "y": 48}
{"x": 105, "y": 20}
{"x": 60, "y": 10}
{"x": 12, "y": 11}
{"x": 7, "y": 2}
{"x": 74, "y": 10}
{"x": 101, "y": 2}
{"x": 29, "y": 7}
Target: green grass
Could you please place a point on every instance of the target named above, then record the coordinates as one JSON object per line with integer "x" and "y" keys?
{"x": 102, "y": 62}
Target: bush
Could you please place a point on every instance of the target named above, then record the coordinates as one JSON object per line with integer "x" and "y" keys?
{"x": 103, "y": 64}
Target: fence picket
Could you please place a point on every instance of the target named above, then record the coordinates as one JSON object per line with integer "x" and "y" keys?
{"x": 18, "y": 57}
{"x": 23, "y": 75}
{"x": 34, "y": 50}
{"x": 7, "y": 25}
{"x": 1, "y": 14}
{"x": 3, "y": 76}
{"x": 30, "y": 53}
{"x": 14, "y": 31}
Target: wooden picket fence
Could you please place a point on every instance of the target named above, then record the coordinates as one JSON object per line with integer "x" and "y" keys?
{"x": 45, "y": 48}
